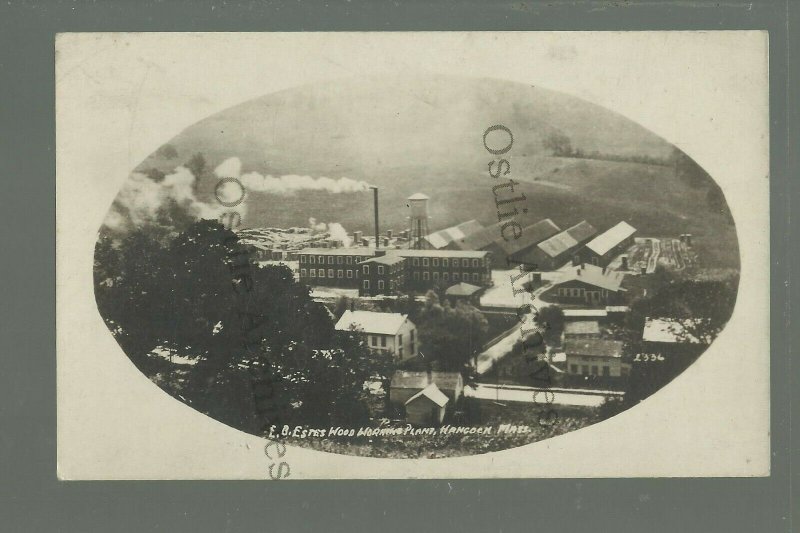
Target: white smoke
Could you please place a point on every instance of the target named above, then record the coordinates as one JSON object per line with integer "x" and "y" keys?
{"x": 289, "y": 183}
{"x": 336, "y": 230}
{"x": 143, "y": 201}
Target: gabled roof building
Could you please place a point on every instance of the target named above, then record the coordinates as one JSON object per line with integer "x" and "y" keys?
{"x": 605, "y": 247}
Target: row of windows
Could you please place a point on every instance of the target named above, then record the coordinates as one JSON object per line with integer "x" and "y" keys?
{"x": 446, "y": 262}
{"x": 585, "y": 370}
{"x": 426, "y": 261}
{"x": 339, "y": 259}
{"x": 381, "y": 284}
{"x": 426, "y": 276}
{"x": 314, "y": 273}
{"x": 574, "y": 293}
{"x": 381, "y": 269}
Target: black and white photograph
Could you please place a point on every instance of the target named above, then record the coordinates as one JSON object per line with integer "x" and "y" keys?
{"x": 405, "y": 263}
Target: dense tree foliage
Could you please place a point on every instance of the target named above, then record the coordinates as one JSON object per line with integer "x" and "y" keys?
{"x": 249, "y": 329}
{"x": 451, "y": 335}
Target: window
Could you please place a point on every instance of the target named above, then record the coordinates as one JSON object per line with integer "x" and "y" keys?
{"x": 416, "y": 261}
{"x": 606, "y": 371}
{"x": 366, "y": 269}
{"x": 302, "y": 272}
{"x": 573, "y": 369}
{"x": 330, "y": 273}
{"x": 321, "y": 272}
{"x": 475, "y": 277}
{"x": 426, "y": 275}
{"x": 475, "y": 263}
{"x": 400, "y": 340}
{"x": 391, "y": 284}
{"x": 340, "y": 273}
{"x": 373, "y": 340}
{"x": 349, "y": 260}
{"x": 445, "y": 262}
{"x": 436, "y": 261}
{"x": 321, "y": 260}
{"x": 302, "y": 259}
{"x": 465, "y": 262}
{"x": 339, "y": 260}
{"x": 594, "y": 370}
{"x": 416, "y": 276}
{"x": 465, "y": 276}
{"x": 383, "y": 342}
{"x": 380, "y": 269}
{"x": 584, "y": 369}
{"x": 425, "y": 261}
{"x": 349, "y": 273}
{"x": 313, "y": 272}
{"x": 446, "y": 276}
{"x": 436, "y": 276}
{"x": 380, "y": 283}
{"x": 455, "y": 276}
{"x": 311, "y": 259}
{"x": 330, "y": 259}
{"x": 366, "y": 284}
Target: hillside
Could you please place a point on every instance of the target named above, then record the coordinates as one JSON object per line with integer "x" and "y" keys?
{"x": 425, "y": 134}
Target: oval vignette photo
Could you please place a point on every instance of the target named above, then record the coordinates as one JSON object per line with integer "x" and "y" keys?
{"x": 415, "y": 267}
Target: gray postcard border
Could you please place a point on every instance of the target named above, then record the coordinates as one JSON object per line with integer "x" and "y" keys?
{"x": 31, "y": 498}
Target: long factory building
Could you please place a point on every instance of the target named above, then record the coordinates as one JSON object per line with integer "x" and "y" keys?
{"x": 387, "y": 271}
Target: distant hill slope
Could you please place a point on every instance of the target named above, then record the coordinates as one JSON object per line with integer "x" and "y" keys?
{"x": 425, "y": 134}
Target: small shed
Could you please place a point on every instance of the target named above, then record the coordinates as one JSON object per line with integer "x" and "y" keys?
{"x": 427, "y": 407}
{"x": 405, "y": 384}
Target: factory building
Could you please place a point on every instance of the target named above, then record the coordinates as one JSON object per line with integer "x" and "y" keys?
{"x": 428, "y": 268}
{"x": 554, "y": 252}
{"x": 605, "y": 247}
{"x": 333, "y": 267}
{"x": 589, "y": 285}
{"x": 382, "y": 274}
{"x": 376, "y": 272}
{"x": 513, "y": 252}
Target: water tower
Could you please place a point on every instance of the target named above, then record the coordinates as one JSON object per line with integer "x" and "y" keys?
{"x": 418, "y": 231}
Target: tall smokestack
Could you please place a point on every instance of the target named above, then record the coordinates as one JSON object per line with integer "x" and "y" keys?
{"x": 377, "y": 232}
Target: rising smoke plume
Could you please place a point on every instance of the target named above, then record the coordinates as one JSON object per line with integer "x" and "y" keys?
{"x": 335, "y": 229}
{"x": 144, "y": 201}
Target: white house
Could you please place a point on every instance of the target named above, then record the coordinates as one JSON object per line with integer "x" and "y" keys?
{"x": 392, "y": 332}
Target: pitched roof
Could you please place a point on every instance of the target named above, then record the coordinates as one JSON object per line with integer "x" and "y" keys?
{"x": 462, "y": 289}
{"x": 567, "y": 239}
{"x": 672, "y": 330}
{"x": 433, "y": 393}
{"x": 581, "y": 231}
{"x": 529, "y": 236}
{"x": 610, "y": 238}
{"x": 443, "y": 237}
{"x": 371, "y": 322}
{"x": 594, "y": 275}
{"x": 419, "y": 196}
{"x": 479, "y": 239}
{"x": 594, "y": 347}
{"x": 403, "y": 379}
